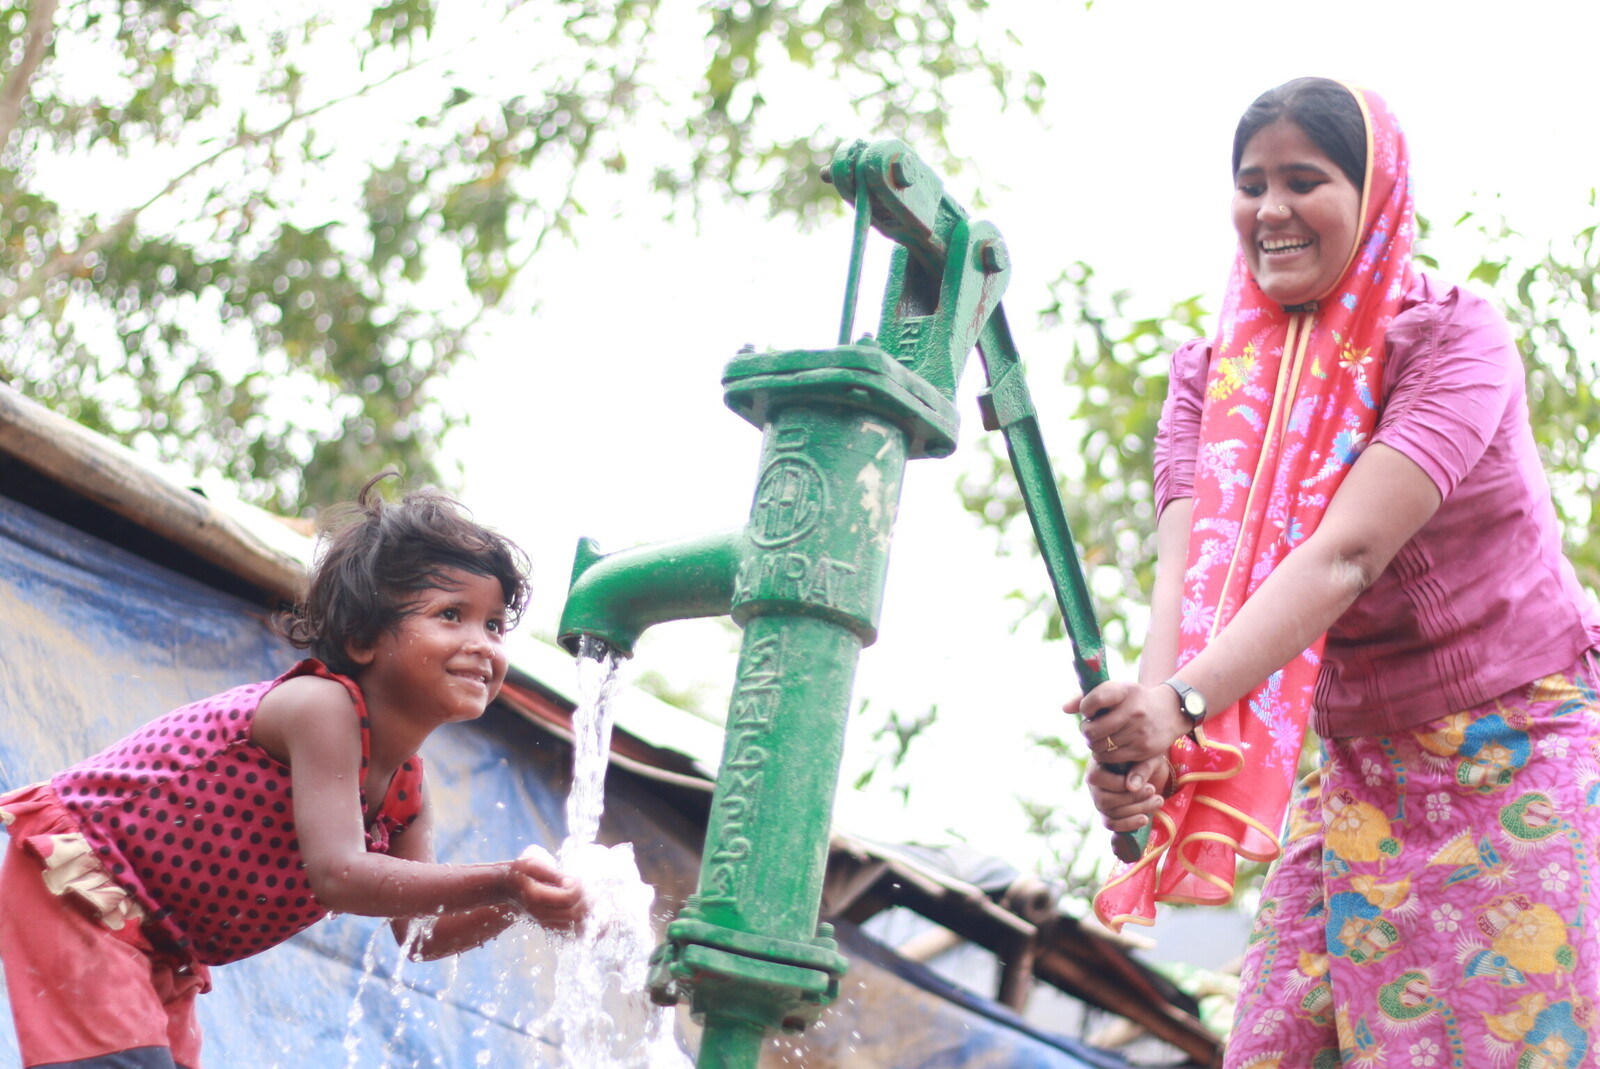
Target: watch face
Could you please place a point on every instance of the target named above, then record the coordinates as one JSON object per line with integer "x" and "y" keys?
{"x": 1194, "y": 705}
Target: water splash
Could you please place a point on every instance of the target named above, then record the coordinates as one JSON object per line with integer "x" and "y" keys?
{"x": 400, "y": 993}
{"x": 601, "y": 1016}
{"x": 352, "y": 1021}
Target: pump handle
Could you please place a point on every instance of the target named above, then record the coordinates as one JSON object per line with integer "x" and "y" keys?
{"x": 1006, "y": 406}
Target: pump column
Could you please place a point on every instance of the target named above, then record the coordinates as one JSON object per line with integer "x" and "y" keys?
{"x": 808, "y": 594}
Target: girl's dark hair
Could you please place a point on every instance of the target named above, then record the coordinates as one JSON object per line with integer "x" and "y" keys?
{"x": 376, "y": 555}
{"x": 1324, "y": 109}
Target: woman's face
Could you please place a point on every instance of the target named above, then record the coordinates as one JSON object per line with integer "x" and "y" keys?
{"x": 1297, "y": 215}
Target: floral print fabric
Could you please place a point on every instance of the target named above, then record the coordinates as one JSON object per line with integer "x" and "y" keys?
{"x": 1435, "y": 901}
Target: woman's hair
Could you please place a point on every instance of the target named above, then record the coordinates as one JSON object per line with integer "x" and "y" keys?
{"x": 376, "y": 555}
{"x": 1326, "y": 110}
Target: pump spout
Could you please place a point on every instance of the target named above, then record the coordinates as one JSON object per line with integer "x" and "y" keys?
{"x": 615, "y": 596}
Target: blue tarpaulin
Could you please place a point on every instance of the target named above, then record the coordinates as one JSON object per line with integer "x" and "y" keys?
{"x": 95, "y": 640}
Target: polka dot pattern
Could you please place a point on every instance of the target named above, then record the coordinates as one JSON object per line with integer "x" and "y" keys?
{"x": 196, "y": 822}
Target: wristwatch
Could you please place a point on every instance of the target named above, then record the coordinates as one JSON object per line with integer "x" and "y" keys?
{"x": 1191, "y": 703}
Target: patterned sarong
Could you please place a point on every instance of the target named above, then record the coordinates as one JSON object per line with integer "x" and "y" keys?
{"x": 1435, "y": 903}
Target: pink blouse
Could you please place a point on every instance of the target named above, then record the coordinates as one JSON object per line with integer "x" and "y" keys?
{"x": 1482, "y": 599}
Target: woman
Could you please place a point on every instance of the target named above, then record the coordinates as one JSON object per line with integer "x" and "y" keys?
{"x": 1354, "y": 529}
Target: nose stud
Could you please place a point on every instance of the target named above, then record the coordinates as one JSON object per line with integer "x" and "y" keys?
{"x": 1284, "y": 208}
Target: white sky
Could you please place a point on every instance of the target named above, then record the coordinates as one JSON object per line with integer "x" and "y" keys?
{"x": 601, "y": 413}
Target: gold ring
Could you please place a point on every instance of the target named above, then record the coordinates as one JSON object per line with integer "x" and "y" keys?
{"x": 1111, "y": 744}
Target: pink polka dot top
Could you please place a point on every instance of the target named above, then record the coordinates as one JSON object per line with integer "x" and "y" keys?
{"x": 197, "y": 822}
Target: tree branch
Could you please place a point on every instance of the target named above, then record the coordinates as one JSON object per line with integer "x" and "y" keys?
{"x": 41, "y": 20}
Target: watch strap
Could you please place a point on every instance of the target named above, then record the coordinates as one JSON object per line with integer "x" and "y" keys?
{"x": 1184, "y": 692}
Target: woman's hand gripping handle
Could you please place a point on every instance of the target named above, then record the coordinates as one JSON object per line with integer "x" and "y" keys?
{"x": 1129, "y": 728}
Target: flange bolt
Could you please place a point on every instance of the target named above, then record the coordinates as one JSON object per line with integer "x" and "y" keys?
{"x": 902, "y": 175}
{"x": 993, "y": 258}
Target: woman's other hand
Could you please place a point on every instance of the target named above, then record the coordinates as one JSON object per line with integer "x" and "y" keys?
{"x": 1128, "y": 799}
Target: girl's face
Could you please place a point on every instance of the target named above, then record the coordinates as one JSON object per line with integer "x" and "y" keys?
{"x": 446, "y": 659}
{"x": 1297, "y": 215}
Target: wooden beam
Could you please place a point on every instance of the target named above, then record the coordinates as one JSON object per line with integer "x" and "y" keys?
{"x": 1016, "y": 975}
{"x": 117, "y": 478}
{"x": 848, "y": 881}
{"x": 1160, "y": 1018}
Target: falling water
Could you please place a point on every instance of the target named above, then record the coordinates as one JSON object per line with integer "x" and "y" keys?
{"x": 591, "y": 730}
{"x": 399, "y": 989}
{"x": 602, "y": 1016}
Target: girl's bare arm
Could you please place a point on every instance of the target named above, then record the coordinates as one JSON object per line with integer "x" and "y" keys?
{"x": 311, "y": 722}
{"x": 544, "y": 893}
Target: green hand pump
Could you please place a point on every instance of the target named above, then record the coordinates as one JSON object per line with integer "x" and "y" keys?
{"x": 804, "y": 578}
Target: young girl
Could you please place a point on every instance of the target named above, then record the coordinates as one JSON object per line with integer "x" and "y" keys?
{"x": 231, "y": 824}
{"x": 1355, "y": 533}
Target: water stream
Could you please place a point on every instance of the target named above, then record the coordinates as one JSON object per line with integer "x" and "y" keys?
{"x": 601, "y": 1016}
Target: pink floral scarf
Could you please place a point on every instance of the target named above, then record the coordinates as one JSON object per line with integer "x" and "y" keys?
{"x": 1291, "y": 400}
